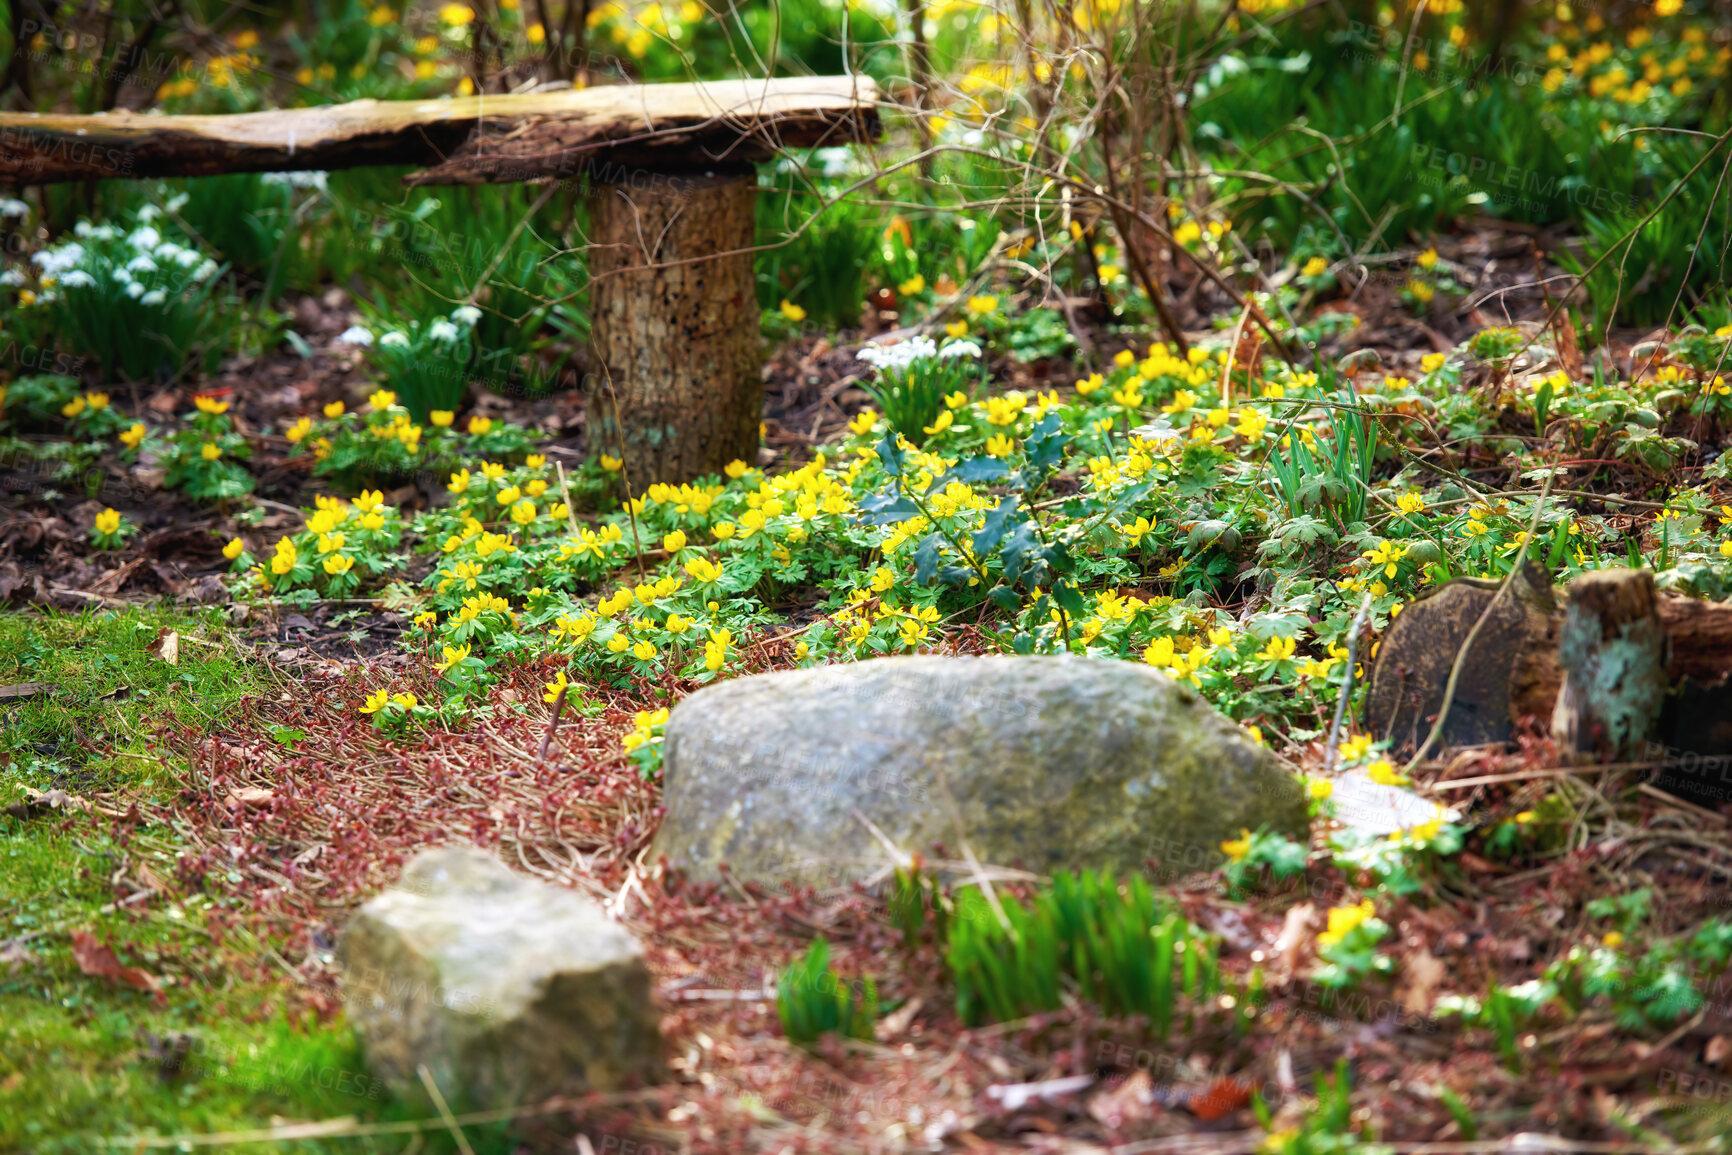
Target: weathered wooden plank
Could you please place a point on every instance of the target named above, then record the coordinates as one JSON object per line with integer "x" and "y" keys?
{"x": 674, "y": 128}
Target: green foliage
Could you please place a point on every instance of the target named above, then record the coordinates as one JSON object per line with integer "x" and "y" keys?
{"x": 822, "y": 250}
{"x": 812, "y": 1000}
{"x": 1260, "y": 852}
{"x": 1327, "y": 1128}
{"x": 1115, "y": 943}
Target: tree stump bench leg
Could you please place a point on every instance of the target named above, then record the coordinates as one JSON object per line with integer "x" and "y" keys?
{"x": 676, "y": 390}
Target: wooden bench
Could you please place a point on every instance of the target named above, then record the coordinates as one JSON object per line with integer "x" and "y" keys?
{"x": 669, "y": 174}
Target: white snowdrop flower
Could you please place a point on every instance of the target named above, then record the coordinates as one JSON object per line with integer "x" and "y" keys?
{"x": 205, "y": 271}
{"x": 153, "y": 298}
{"x": 47, "y": 298}
{"x": 144, "y": 239}
{"x": 168, "y": 251}
{"x": 466, "y": 315}
{"x": 82, "y": 229}
{"x": 12, "y": 278}
{"x": 443, "y": 330}
{"x": 120, "y": 274}
{"x": 889, "y": 358}
{"x": 141, "y": 264}
{"x": 959, "y": 349}
{"x": 14, "y": 208}
{"x": 176, "y": 203}
{"x": 78, "y": 279}
{"x": 148, "y": 213}
{"x": 134, "y": 290}
{"x": 54, "y": 261}
{"x": 974, "y": 138}
{"x": 394, "y": 340}
{"x": 354, "y": 335}
{"x": 296, "y": 179}
{"x": 186, "y": 258}
{"x": 835, "y": 161}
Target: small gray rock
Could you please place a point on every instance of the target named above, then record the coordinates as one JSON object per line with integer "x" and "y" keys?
{"x": 1052, "y": 762}
{"x": 509, "y": 990}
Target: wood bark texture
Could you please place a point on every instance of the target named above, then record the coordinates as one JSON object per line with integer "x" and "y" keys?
{"x": 468, "y": 140}
{"x": 1612, "y": 649}
{"x": 675, "y": 390}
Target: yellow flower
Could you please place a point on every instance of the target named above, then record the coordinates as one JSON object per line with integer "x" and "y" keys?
{"x": 296, "y": 432}
{"x": 863, "y": 421}
{"x": 132, "y": 436}
{"x": 1355, "y": 748}
{"x": 724, "y": 530}
{"x": 456, "y": 15}
{"x": 552, "y": 690}
{"x": 792, "y": 311}
{"x": 1410, "y": 503}
{"x": 957, "y": 328}
{"x": 382, "y": 399}
{"x": 441, "y": 417}
{"x": 1432, "y": 362}
{"x": 643, "y": 651}
{"x": 675, "y": 541}
{"x": 210, "y": 451}
{"x": 377, "y": 702}
{"x": 942, "y": 423}
{"x": 912, "y": 286}
{"x": 480, "y": 425}
{"x": 407, "y": 701}
{"x": 368, "y": 500}
{"x": 703, "y": 571}
{"x": 1278, "y": 649}
{"x": 523, "y": 512}
{"x": 335, "y": 410}
{"x": 285, "y": 558}
{"x": 1613, "y": 939}
{"x": 234, "y": 548}
{"x": 459, "y": 481}
{"x": 210, "y": 405}
{"x": 338, "y": 564}
{"x": 1427, "y": 259}
{"x": 1237, "y": 848}
{"x": 1315, "y": 267}
{"x": 1343, "y": 920}
{"x": 1319, "y": 788}
{"x": 611, "y": 464}
{"x": 536, "y": 33}
{"x": 1383, "y": 773}
{"x": 982, "y": 305}
{"x": 108, "y": 521}
{"x": 735, "y": 469}
{"x": 96, "y": 400}
{"x": 676, "y": 624}
{"x": 73, "y": 407}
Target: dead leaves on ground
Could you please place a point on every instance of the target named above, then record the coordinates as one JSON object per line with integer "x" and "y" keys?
{"x": 97, "y": 959}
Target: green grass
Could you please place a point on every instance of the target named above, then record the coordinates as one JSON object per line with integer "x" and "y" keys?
{"x": 84, "y": 1057}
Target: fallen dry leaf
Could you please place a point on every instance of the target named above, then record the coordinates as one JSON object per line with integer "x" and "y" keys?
{"x": 1421, "y": 975}
{"x": 1222, "y": 1097}
{"x": 97, "y": 959}
{"x": 1295, "y": 933}
{"x": 249, "y": 796}
{"x": 167, "y": 646}
{"x": 1719, "y": 1047}
{"x": 1132, "y": 1101}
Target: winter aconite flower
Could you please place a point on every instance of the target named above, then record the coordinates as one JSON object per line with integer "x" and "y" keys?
{"x": 210, "y": 405}
{"x": 377, "y": 702}
{"x": 108, "y": 521}
{"x": 552, "y": 690}
{"x": 234, "y": 548}
{"x": 792, "y": 311}
{"x": 132, "y": 436}
{"x": 1343, "y": 920}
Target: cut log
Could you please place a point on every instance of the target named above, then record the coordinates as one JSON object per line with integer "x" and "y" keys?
{"x": 468, "y": 140}
{"x": 1419, "y": 649}
{"x": 675, "y": 390}
{"x": 1613, "y": 652}
{"x": 1622, "y": 672}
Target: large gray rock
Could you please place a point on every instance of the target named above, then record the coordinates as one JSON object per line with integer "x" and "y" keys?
{"x": 508, "y": 990}
{"x": 1053, "y": 763}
